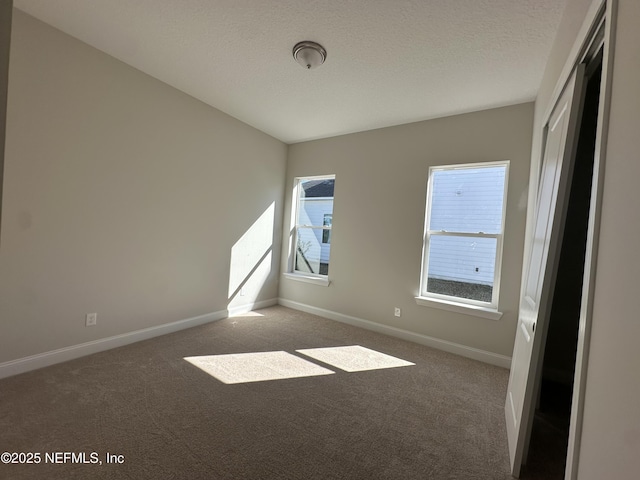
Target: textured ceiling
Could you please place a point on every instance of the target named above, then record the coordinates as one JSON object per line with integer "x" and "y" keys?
{"x": 389, "y": 62}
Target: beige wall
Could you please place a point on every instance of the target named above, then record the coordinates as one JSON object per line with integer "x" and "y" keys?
{"x": 125, "y": 197}
{"x": 378, "y": 220}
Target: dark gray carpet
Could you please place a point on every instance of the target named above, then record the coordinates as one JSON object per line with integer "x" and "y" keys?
{"x": 440, "y": 419}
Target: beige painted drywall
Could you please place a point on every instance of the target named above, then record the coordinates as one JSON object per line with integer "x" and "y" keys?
{"x": 125, "y": 197}
{"x": 378, "y": 219}
{"x": 611, "y": 430}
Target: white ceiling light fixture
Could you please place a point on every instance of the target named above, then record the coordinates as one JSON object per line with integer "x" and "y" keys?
{"x": 309, "y": 54}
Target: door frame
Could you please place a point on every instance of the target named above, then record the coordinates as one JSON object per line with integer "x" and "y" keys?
{"x": 601, "y": 14}
{"x": 559, "y": 154}
{"x": 6, "y": 14}
{"x": 608, "y": 10}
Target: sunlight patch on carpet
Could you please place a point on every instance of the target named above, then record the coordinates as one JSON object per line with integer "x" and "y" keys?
{"x": 246, "y": 314}
{"x": 256, "y": 367}
{"x": 354, "y": 358}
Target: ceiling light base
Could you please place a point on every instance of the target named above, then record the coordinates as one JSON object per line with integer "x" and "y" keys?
{"x": 309, "y": 54}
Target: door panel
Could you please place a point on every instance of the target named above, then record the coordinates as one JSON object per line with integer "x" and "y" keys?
{"x": 555, "y": 179}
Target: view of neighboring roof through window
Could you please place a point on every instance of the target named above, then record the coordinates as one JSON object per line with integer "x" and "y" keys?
{"x": 314, "y": 214}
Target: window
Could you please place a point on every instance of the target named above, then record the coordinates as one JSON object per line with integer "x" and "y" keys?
{"x": 326, "y": 234}
{"x": 313, "y": 219}
{"x": 464, "y": 229}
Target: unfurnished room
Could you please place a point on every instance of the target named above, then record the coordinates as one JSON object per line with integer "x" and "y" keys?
{"x": 319, "y": 240}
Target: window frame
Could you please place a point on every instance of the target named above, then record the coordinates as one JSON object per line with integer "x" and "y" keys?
{"x": 326, "y": 233}
{"x": 298, "y": 274}
{"x": 425, "y": 297}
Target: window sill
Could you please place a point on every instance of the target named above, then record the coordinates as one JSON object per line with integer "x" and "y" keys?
{"x": 473, "y": 310}
{"x": 322, "y": 281}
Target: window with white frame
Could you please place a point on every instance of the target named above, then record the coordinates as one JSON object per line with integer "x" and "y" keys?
{"x": 313, "y": 219}
{"x": 326, "y": 234}
{"x": 463, "y": 234}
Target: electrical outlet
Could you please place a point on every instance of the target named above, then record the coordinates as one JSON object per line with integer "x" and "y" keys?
{"x": 397, "y": 312}
{"x": 91, "y": 319}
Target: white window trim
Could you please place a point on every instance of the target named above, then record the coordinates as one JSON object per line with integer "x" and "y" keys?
{"x": 459, "y": 304}
{"x": 321, "y": 280}
{"x": 292, "y": 274}
{"x": 466, "y": 309}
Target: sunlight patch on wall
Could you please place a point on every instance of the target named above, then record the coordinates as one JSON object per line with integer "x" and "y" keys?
{"x": 256, "y": 367}
{"x": 251, "y": 258}
{"x": 354, "y": 358}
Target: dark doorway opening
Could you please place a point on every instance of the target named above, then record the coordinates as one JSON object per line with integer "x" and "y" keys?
{"x": 550, "y": 433}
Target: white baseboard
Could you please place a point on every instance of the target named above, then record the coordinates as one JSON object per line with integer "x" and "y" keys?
{"x": 240, "y": 309}
{"x": 40, "y": 360}
{"x": 469, "y": 352}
